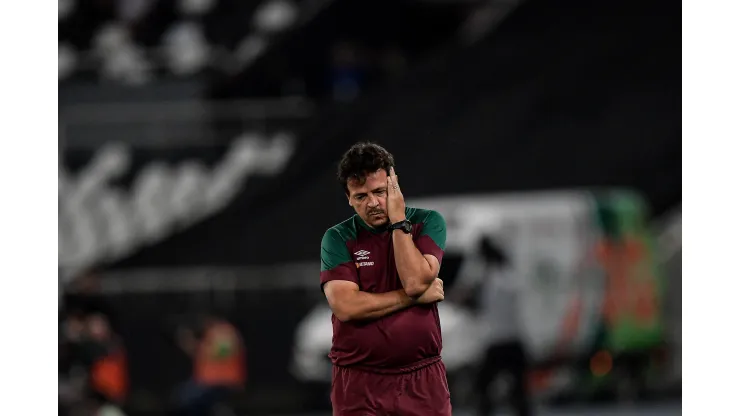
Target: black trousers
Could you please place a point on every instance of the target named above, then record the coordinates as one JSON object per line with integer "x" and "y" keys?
{"x": 506, "y": 358}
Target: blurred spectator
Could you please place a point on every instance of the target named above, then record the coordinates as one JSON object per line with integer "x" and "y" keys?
{"x": 488, "y": 266}
{"x": 107, "y": 362}
{"x": 348, "y": 73}
{"x": 71, "y": 371}
{"x": 219, "y": 365}
{"x": 93, "y": 371}
{"x": 84, "y": 297}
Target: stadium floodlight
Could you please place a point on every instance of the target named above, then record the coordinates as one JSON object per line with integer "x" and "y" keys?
{"x": 195, "y": 7}
{"x": 126, "y": 64}
{"x": 67, "y": 60}
{"x": 132, "y": 11}
{"x": 249, "y": 49}
{"x": 110, "y": 38}
{"x": 66, "y": 7}
{"x": 275, "y": 16}
{"x": 185, "y": 48}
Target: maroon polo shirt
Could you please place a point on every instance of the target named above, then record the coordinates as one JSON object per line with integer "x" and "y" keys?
{"x": 356, "y": 252}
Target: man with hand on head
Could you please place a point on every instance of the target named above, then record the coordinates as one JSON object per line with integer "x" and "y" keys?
{"x": 379, "y": 273}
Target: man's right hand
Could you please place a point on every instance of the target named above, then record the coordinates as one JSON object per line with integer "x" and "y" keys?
{"x": 435, "y": 292}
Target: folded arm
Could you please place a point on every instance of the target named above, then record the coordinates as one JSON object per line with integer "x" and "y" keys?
{"x": 349, "y": 303}
{"x": 417, "y": 271}
{"x": 418, "y": 259}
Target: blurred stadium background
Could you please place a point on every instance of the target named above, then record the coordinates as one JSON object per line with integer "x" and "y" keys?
{"x": 198, "y": 137}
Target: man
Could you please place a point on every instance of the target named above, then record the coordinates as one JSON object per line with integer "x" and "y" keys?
{"x": 379, "y": 273}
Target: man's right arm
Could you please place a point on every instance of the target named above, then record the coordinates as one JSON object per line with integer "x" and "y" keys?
{"x": 341, "y": 286}
{"x": 350, "y": 304}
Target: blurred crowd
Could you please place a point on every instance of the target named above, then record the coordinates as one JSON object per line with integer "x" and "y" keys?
{"x": 220, "y": 43}
{"x": 135, "y": 41}
{"x": 93, "y": 361}
{"x": 93, "y": 370}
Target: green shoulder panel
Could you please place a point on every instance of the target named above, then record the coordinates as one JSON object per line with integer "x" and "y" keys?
{"x": 433, "y": 224}
{"x": 334, "y": 245}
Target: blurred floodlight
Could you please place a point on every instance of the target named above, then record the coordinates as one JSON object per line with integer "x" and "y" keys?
{"x": 67, "y": 60}
{"x": 275, "y": 16}
{"x": 249, "y": 49}
{"x": 195, "y": 7}
{"x": 134, "y": 10}
{"x": 65, "y": 8}
{"x": 110, "y": 38}
{"x": 186, "y": 48}
{"x": 126, "y": 64}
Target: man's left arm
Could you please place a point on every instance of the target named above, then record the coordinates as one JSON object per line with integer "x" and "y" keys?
{"x": 418, "y": 260}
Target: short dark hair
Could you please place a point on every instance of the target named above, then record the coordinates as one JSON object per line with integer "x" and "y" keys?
{"x": 362, "y": 158}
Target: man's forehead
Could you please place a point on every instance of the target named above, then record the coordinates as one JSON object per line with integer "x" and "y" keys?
{"x": 371, "y": 180}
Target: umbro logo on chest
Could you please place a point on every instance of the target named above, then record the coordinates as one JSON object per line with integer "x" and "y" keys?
{"x": 363, "y": 255}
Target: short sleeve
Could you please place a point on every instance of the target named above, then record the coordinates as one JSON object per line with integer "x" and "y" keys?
{"x": 433, "y": 236}
{"x": 336, "y": 262}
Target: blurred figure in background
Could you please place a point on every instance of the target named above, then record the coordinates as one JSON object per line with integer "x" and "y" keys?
{"x": 72, "y": 377}
{"x": 108, "y": 366}
{"x": 219, "y": 365}
{"x": 84, "y": 296}
{"x": 486, "y": 271}
{"x": 93, "y": 366}
{"x": 348, "y": 72}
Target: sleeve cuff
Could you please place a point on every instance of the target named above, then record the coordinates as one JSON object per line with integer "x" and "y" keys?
{"x": 344, "y": 271}
{"x": 426, "y": 245}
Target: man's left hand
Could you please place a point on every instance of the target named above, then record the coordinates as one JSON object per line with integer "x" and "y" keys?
{"x": 395, "y": 204}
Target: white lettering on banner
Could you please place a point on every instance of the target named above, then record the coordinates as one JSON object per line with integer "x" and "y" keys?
{"x": 99, "y": 222}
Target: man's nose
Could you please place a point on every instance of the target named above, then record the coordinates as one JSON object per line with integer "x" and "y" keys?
{"x": 373, "y": 201}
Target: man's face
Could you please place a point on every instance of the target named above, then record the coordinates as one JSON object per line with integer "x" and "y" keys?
{"x": 368, "y": 198}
